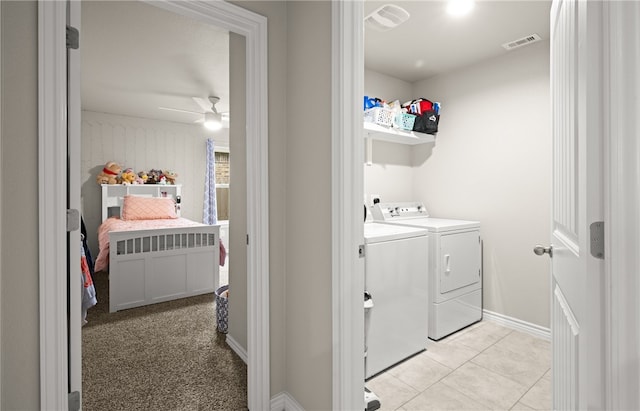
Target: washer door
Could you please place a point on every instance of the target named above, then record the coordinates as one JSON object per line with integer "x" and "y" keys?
{"x": 460, "y": 260}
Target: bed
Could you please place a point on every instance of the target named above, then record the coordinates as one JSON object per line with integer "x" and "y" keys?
{"x": 156, "y": 256}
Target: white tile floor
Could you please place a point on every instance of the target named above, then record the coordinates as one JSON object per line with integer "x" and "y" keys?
{"x": 483, "y": 367}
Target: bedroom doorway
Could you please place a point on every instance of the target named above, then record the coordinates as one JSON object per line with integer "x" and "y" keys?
{"x": 56, "y": 371}
{"x": 146, "y": 72}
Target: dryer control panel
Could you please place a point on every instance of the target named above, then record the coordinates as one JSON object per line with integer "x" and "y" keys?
{"x": 398, "y": 211}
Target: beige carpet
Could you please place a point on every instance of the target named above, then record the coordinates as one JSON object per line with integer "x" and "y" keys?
{"x": 166, "y": 356}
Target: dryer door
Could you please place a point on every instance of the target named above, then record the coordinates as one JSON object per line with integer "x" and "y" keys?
{"x": 460, "y": 260}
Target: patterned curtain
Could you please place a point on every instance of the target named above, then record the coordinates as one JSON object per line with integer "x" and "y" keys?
{"x": 210, "y": 212}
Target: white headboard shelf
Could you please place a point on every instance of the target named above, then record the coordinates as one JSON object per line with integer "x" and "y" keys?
{"x": 113, "y": 195}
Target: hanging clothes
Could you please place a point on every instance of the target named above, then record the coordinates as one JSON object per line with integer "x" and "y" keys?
{"x": 88, "y": 289}
{"x": 85, "y": 246}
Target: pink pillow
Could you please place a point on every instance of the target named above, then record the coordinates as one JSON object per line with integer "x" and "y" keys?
{"x": 148, "y": 208}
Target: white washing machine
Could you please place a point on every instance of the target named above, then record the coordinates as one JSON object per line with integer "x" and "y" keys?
{"x": 395, "y": 262}
{"x": 455, "y": 265}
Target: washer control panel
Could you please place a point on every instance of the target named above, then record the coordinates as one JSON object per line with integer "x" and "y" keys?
{"x": 398, "y": 211}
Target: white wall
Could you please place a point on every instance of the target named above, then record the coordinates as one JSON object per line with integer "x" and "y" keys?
{"x": 20, "y": 375}
{"x": 390, "y": 175}
{"x": 142, "y": 144}
{"x": 238, "y": 196}
{"x": 492, "y": 162}
{"x": 308, "y": 291}
{"x": 276, "y": 13}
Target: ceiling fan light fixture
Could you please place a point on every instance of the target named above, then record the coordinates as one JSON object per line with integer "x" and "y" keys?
{"x": 212, "y": 121}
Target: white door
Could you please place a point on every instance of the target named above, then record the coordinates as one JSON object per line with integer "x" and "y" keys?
{"x": 576, "y": 283}
{"x": 73, "y": 202}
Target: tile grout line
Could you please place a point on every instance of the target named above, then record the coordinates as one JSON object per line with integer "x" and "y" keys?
{"x": 454, "y": 369}
{"x": 530, "y": 388}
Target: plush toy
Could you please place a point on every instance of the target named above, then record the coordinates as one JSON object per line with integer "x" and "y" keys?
{"x": 109, "y": 174}
{"x": 128, "y": 176}
{"x": 143, "y": 177}
{"x": 138, "y": 180}
{"x": 154, "y": 176}
{"x": 171, "y": 176}
{"x": 163, "y": 180}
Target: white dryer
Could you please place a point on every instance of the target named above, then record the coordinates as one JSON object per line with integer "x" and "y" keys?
{"x": 396, "y": 323}
{"x": 455, "y": 265}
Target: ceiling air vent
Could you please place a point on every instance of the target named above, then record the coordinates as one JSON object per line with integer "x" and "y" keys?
{"x": 386, "y": 17}
{"x": 521, "y": 42}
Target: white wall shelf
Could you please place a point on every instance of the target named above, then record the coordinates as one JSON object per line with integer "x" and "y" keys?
{"x": 394, "y": 135}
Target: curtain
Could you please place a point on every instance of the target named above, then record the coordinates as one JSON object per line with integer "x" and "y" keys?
{"x": 210, "y": 212}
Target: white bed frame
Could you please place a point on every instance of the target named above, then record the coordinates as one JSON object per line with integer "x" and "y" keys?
{"x": 152, "y": 266}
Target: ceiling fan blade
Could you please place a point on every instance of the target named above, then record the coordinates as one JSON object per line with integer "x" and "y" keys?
{"x": 204, "y": 104}
{"x": 179, "y": 110}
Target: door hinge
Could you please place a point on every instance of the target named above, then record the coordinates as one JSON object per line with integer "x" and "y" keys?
{"x": 73, "y": 220}
{"x": 247, "y": 239}
{"x": 73, "y": 38}
{"x": 597, "y": 239}
{"x": 361, "y": 251}
{"x": 74, "y": 401}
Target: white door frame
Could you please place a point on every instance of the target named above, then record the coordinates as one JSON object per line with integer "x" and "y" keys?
{"x": 622, "y": 185}
{"x": 52, "y": 192}
{"x": 347, "y": 194}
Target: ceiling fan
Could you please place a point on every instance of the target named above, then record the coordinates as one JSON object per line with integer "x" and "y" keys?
{"x": 211, "y": 118}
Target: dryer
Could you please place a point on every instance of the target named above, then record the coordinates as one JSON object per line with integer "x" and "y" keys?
{"x": 455, "y": 265}
{"x": 396, "y": 322}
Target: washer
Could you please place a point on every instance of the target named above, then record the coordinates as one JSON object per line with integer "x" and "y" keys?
{"x": 396, "y": 323}
{"x": 455, "y": 265}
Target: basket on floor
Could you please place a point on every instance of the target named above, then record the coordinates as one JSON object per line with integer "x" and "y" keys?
{"x": 222, "y": 308}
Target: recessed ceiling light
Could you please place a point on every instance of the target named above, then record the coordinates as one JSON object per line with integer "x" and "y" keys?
{"x": 459, "y": 7}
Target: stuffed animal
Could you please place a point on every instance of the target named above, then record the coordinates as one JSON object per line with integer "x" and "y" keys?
{"x": 109, "y": 174}
{"x": 171, "y": 176}
{"x": 154, "y": 176}
{"x": 128, "y": 176}
{"x": 143, "y": 177}
{"x": 138, "y": 180}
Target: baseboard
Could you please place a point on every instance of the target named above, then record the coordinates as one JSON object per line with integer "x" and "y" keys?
{"x": 285, "y": 402}
{"x": 520, "y": 325}
{"x": 237, "y": 348}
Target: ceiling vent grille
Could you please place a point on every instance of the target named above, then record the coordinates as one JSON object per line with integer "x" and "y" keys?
{"x": 522, "y": 42}
{"x": 386, "y": 17}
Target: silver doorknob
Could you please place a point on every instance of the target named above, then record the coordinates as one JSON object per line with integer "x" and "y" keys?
{"x": 539, "y": 250}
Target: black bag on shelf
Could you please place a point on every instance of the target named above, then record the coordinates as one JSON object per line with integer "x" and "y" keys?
{"x": 427, "y": 122}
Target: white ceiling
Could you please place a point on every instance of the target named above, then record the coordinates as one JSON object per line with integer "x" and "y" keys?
{"x": 432, "y": 42}
{"x": 137, "y": 57}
